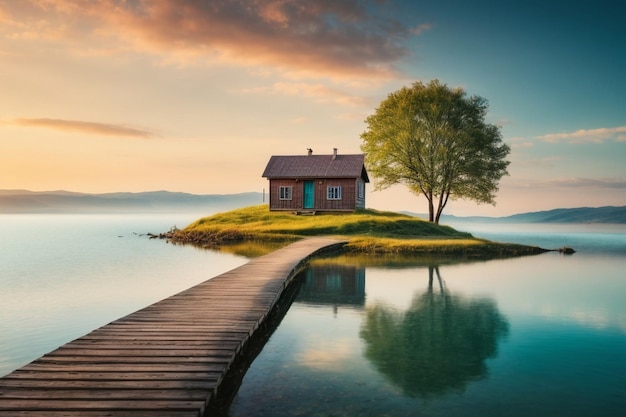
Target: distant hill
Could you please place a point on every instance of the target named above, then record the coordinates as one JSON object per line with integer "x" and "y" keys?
{"x": 23, "y": 201}
{"x": 608, "y": 214}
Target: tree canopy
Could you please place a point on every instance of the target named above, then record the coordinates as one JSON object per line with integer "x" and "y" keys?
{"x": 435, "y": 140}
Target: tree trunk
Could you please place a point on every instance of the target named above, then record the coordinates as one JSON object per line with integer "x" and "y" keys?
{"x": 438, "y": 215}
{"x": 431, "y": 209}
{"x": 443, "y": 200}
{"x": 439, "y": 210}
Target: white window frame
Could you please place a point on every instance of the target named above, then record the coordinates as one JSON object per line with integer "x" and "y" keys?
{"x": 285, "y": 192}
{"x": 333, "y": 192}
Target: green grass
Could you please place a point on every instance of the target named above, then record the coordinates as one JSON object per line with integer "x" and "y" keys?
{"x": 253, "y": 231}
{"x": 259, "y": 221}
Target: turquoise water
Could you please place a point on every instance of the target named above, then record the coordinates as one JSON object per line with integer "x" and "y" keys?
{"x": 542, "y": 335}
{"x": 62, "y": 276}
{"x": 608, "y": 239}
{"x": 534, "y": 336}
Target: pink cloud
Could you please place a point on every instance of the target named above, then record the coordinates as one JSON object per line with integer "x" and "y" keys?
{"x": 309, "y": 37}
{"x": 84, "y": 127}
{"x": 319, "y": 92}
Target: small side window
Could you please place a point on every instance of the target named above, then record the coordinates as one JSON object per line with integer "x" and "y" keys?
{"x": 361, "y": 188}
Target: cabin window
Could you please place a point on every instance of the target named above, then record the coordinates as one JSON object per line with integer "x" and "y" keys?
{"x": 333, "y": 193}
{"x": 285, "y": 193}
{"x": 361, "y": 189}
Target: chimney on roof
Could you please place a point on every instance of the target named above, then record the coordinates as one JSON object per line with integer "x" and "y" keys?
{"x": 334, "y": 153}
{"x": 309, "y": 151}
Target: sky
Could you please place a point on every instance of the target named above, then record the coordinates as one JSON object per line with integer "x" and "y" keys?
{"x": 195, "y": 96}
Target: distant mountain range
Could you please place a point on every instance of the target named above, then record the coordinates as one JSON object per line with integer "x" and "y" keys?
{"x": 23, "y": 201}
{"x": 607, "y": 214}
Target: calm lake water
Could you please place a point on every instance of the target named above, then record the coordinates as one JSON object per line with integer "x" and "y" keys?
{"x": 62, "y": 276}
{"x": 542, "y": 335}
{"x": 534, "y": 336}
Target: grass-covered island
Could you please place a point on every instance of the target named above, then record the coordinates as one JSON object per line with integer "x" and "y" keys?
{"x": 253, "y": 231}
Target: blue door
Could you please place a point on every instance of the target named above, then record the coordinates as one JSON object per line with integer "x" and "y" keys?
{"x": 309, "y": 195}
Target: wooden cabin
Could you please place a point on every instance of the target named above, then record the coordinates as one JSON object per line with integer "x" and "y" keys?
{"x": 311, "y": 183}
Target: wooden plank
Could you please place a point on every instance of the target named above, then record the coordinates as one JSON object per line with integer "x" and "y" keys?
{"x": 59, "y": 377}
{"x": 167, "y": 359}
{"x": 107, "y": 413}
{"x": 36, "y": 404}
{"x": 180, "y": 383}
{"x": 119, "y": 368}
{"x": 119, "y": 350}
{"x": 108, "y": 394}
{"x": 125, "y": 359}
{"x": 154, "y": 344}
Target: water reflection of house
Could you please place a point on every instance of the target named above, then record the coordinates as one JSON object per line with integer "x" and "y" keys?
{"x": 333, "y": 284}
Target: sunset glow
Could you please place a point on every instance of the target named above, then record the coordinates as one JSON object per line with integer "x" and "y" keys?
{"x": 195, "y": 96}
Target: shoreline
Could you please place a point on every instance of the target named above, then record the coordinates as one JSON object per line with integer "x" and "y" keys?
{"x": 254, "y": 231}
{"x": 253, "y": 246}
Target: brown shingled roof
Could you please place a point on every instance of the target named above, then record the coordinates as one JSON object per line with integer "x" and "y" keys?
{"x": 316, "y": 166}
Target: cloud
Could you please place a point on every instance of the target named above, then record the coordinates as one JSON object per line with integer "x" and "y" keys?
{"x": 572, "y": 182}
{"x": 522, "y": 145}
{"x": 600, "y": 135}
{"x": 419, "y": 29}
{"x": 84, "y": 127}
{"x": 299, "y": 120}
{"x": 319, "y": 92}
{"x": 351, "y": 116}
{"x": 347, "y": 39}
{"x": 519, "y": 142}
{"x": 576, "y": 182}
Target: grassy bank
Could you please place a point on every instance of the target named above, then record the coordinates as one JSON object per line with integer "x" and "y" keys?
{"x": 252, "y": 231}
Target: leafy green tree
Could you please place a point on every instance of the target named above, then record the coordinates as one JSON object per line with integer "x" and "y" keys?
{"x": 435, "y": 140}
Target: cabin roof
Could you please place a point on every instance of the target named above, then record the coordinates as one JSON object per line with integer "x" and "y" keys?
{"x": 316, "y": 166}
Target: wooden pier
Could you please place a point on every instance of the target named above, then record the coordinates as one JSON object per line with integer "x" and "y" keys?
{"x": 167, "y": 359}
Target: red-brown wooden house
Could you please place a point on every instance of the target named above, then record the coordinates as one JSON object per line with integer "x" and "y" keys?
{"x": 317, "y": 182}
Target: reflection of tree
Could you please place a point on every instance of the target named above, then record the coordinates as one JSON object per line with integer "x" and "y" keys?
{"x": 439, "y": 344}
